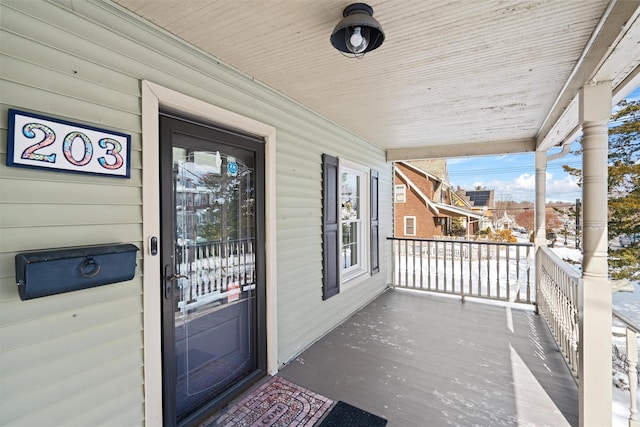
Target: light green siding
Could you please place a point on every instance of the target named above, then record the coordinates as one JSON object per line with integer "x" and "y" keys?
{"x": 77, "y": 358}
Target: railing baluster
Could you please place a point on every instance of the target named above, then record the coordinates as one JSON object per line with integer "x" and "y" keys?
{"x": 421, "y": 270}
{"x": 479, "y": 270}
{"x": 394, "y": 254}
{"x": 498, "y": 271}
{"x": 558, "y": 303}
{"x": 437, "y": 266}
{"x": 470, "y": 254}
{"x": 460, "y": 246}
{"x": 236, "y": 268}
{"x": 444, "y": 264}
{"x": 455, "y": 276}
{"x": 429, "y": 265}
{"x": 451, "y": 256}
{"x": 225, "y": 270}
{"x": 508, "y": 266}
{"x": 632, "y": 359}
{"x": 518, "y": 273}
{"x": 415, "y": 263}
{"x": 242, "y": 265}
{"x": 406, "y": 263}
{"x": 529, "y": 276}
{"x": 488, "y": 271}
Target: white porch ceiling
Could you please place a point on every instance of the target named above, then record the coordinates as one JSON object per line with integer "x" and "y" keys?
{"x": 452, "y": 78}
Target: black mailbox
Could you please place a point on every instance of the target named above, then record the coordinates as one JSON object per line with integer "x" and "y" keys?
{"x": 56, "y": 271}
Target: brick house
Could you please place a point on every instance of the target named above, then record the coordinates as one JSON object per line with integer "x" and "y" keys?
{"x": 424, "y": 202}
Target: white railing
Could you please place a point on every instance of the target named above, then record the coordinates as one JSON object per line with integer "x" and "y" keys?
{"x": 629, "y": 331}
{"x": 214, "y": 270}
{"x": 559, "y": 287}
{"x": 498, "y": 271}
{"x": 558, "y": 302}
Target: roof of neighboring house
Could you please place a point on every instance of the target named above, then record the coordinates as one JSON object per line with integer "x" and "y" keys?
{"x": 439, "y": 209}
{"x": 430, "y": 204}
{"x": 435, "y": 167}
{"x": 457, "y": 211}
{"x": 459, "y": 199}
{"x": 480, "y": 197}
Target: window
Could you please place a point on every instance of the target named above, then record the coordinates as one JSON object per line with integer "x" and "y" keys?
{"x": 409, "y": 225}
{"x": 353, "y": 215}
{"x": 350, "y": 242}
{"x": 401, "y": 193}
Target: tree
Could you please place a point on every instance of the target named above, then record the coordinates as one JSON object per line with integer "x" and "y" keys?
{"x": 624, "y": 133}
{"x": 552, "y": 221}
{"x": 526, "y": 219}
{"x": 457, "y": 227}
{"x": 624, "y": 187}
{"x": 504, "y": 236}
{"x": 511, "y": 207}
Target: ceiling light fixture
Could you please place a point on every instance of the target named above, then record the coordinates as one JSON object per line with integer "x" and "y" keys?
{"x": 358, "y": 32}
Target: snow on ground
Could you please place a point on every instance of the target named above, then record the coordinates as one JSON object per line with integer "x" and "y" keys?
{"x": 410, "y": 272}
{"x": 627, "y": 303}
{"x": 569, "y": 254}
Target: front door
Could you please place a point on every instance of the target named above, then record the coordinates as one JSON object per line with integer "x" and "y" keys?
{"x": 212, "y": 250}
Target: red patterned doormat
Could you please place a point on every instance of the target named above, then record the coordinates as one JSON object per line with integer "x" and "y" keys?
{"x": 276, "y": 403}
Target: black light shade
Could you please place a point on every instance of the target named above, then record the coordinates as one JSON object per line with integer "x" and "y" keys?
{"x": 358, "y": 32}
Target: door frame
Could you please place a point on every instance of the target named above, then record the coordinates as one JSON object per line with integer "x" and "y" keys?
{"x": 154, "y": 98}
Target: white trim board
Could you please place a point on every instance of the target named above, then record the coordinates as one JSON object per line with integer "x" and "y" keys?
{"x": 154, "y": 97}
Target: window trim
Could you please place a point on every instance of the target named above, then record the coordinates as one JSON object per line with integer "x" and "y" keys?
{"x": 331, "y": 243}
{"x": 153, "y": 97}
{"x": 415, "y": 223}
{"x": 364, "y": 229}
{"x": 398, "y": 193}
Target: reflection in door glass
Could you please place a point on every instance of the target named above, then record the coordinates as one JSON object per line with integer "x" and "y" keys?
{"x": 214, "y": 300}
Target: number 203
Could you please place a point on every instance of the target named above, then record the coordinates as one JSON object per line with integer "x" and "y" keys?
{"x": 113, "y": 148}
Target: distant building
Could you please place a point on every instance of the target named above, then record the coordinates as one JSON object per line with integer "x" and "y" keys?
{"x": 480, "y": 198}
{"x": 425, "y": 204}
{"x": 505, "y": 222}
{"x": 481, "y": 201}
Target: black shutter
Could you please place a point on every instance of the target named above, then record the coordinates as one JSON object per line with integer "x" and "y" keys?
{"x": 374, "y": 244}
{"x": 330, "y": 227}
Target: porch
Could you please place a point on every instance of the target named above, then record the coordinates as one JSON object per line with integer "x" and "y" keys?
{"x": 417, "y": 358}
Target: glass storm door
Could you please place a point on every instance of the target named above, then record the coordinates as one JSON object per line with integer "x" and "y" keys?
{"x": 214, "y": 341}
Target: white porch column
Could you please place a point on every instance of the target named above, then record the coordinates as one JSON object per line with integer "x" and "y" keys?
{"x": 540, "y": 238}
{"x": 595, "y": 322}
{"x": 539, "y": 213}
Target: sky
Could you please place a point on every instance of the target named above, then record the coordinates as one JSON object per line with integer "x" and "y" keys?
{"x": 512, "y": 176}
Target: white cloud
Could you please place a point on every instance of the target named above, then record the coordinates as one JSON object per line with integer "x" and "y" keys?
{"x": 526, "y": 182}
{"x": 565, "y": 188}
{"x": 523, "y": 187}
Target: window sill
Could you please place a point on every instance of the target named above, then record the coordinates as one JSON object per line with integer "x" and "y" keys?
{"x": 354, "y": 280}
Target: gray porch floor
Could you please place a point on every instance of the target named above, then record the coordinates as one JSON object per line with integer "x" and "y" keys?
{"x": 425, "y": 360}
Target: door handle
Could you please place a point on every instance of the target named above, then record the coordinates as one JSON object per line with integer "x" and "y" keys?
{"x": 168, "y": 281}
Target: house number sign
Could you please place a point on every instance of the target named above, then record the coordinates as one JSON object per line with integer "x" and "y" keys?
{"x": 36, "y": 141}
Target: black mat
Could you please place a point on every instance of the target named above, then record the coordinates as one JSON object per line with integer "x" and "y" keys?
{"x": 345, "y": 415}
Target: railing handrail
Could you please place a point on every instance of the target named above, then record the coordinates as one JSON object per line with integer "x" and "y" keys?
{"x": 467, "y": 268}
{"x": 631, "y": 362}
{"x": 479, "y": 242}
{"x": 562, "y": 318}
{"x": 562, "y": 264}
{"x": 628, "y": 322}
{"x": 559, "y": 287}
